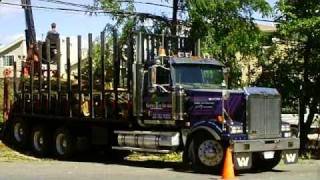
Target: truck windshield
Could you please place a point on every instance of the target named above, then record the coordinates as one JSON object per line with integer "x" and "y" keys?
{"x": 199, "y": 76}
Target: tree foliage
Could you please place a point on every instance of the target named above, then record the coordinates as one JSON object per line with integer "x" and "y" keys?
{"x": 292, "y": 65}
{"x": 300, "y": 23}
{"x": 227, "y": 27}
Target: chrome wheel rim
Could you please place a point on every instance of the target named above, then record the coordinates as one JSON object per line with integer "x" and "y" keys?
{"x": 61, "y": 144}
{"x": 18, "y": 132}
{"x": 38, "y": 141}
{"x": 210, "y": 153}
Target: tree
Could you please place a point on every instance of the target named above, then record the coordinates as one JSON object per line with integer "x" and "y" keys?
{"x": 96, "y": 60}
{"x": 227, "y": 27}
{"x": 281, "y": 70}
{"x": 300, "y": 25}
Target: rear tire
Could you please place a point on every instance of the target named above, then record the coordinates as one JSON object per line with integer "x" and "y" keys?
{"x": 64, "y": 143}
{"x": 41, "y": 141}
{"x": 259, "y": 163}
{"x": 20, "y": 133}
{"x": 207, "y": 153}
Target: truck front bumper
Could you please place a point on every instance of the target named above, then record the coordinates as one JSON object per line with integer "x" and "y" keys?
{"x": 243, "y": 150}
{"x": 257, "y": 145}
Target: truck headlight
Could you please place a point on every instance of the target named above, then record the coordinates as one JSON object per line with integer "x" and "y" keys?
{"x": 286, "y": 134}
{"x": 285, "y": 127}
{"x": 236, "y": 129}
{"x": 286, "y": 130}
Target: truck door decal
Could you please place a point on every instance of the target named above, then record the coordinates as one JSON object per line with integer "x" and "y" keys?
{"x": 158, "y": 107}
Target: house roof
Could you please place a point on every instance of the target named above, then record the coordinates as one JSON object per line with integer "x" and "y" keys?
{"x": 176, "y": 60}
{"x": 267, "y": 28}
{"x": 12, "y": 44}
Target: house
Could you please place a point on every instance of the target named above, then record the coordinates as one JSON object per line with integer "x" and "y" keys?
{"x": 73, "y": 55}
{"x": 249, "y": 65}
{"x": 16, "y": 51}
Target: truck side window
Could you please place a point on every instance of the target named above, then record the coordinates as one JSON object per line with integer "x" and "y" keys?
{"x": 163, "y": 75}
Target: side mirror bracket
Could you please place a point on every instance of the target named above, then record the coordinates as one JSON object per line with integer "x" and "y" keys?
{"x": 226, "y": 74}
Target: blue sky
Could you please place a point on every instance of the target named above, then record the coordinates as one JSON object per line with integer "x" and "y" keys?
{"x": 12, "y": 22}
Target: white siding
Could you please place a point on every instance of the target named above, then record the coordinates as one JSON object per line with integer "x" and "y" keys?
{"x": 18, "y": 51}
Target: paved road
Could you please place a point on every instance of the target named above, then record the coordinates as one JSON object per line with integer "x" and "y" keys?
{"x": 153, "y": 170}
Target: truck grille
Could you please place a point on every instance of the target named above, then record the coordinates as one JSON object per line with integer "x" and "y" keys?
{"x": 264, "y": 116}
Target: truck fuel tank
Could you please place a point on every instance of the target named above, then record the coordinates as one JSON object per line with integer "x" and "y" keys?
{"x": 148, "y": 139}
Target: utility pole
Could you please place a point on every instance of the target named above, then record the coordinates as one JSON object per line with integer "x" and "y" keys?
{"x": 174, "y": 17}
{"x": 30, "y": 30}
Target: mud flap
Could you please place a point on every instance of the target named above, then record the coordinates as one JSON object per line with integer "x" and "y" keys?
{"x": 242, "y": 160}
{"x": 290, "y": 156}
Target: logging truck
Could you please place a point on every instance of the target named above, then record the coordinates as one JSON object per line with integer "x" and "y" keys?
{"x": 147, "y": 101}
{"x": 156, "y": 94}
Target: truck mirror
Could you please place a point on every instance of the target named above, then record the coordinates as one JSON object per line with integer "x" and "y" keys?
{"x": 152, "y": 78}
{"x": 158, "y": 76}
{"x": 226, "y": 73}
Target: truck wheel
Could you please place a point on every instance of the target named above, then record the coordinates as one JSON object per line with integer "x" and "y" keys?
{"x": 259, "y": 163}
{"x": 64, "y": 143}
{"x": 20, "y": 134}
{"x": 40, "y": 141}
{"x": 208, "y": 153}
{"x": 188, "y": 155}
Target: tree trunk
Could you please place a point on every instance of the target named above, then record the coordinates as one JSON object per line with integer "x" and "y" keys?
{"x": 304, "y": 99}
{"x": 306, "y": 127}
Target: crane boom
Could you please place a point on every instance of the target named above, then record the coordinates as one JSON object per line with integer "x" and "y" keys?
{"x": 30, "y": 29}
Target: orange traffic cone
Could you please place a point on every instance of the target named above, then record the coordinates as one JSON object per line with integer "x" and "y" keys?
{"x": 228, "y": 171}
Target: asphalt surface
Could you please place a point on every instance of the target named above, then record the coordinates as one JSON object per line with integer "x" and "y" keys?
{"x": 147, "y": 170}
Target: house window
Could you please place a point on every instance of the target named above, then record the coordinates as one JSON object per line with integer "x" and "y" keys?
{"x": 8, "y": 60}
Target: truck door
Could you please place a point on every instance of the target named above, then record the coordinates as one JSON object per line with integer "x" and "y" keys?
{"x": 157, "y": 95}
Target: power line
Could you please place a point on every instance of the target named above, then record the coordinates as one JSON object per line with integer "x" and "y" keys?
{"x": 128, "y": 1}
{"x": 67, "y": 3}
{"x": 42, "y": 7}
{"x": 145, "y": 3}
{"x": 94, "y": 11}
{"x": 136, "y": 2}
{"x": 120, "y": 1}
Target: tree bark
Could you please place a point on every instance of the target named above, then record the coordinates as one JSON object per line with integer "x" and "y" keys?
{"x": 304, "y": 99}
{"x": 306, "y": 127}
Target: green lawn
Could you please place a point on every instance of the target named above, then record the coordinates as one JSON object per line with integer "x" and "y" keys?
{"x": 7, "y": 154}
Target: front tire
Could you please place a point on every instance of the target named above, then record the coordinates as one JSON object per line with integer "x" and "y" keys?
{"x": 64, "y": 143}
{"x": 207, "y": 153}
{"x": 259, "y": 163}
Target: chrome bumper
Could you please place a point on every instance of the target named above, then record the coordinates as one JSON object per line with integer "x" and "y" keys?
{"x": 265, "y": 145}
